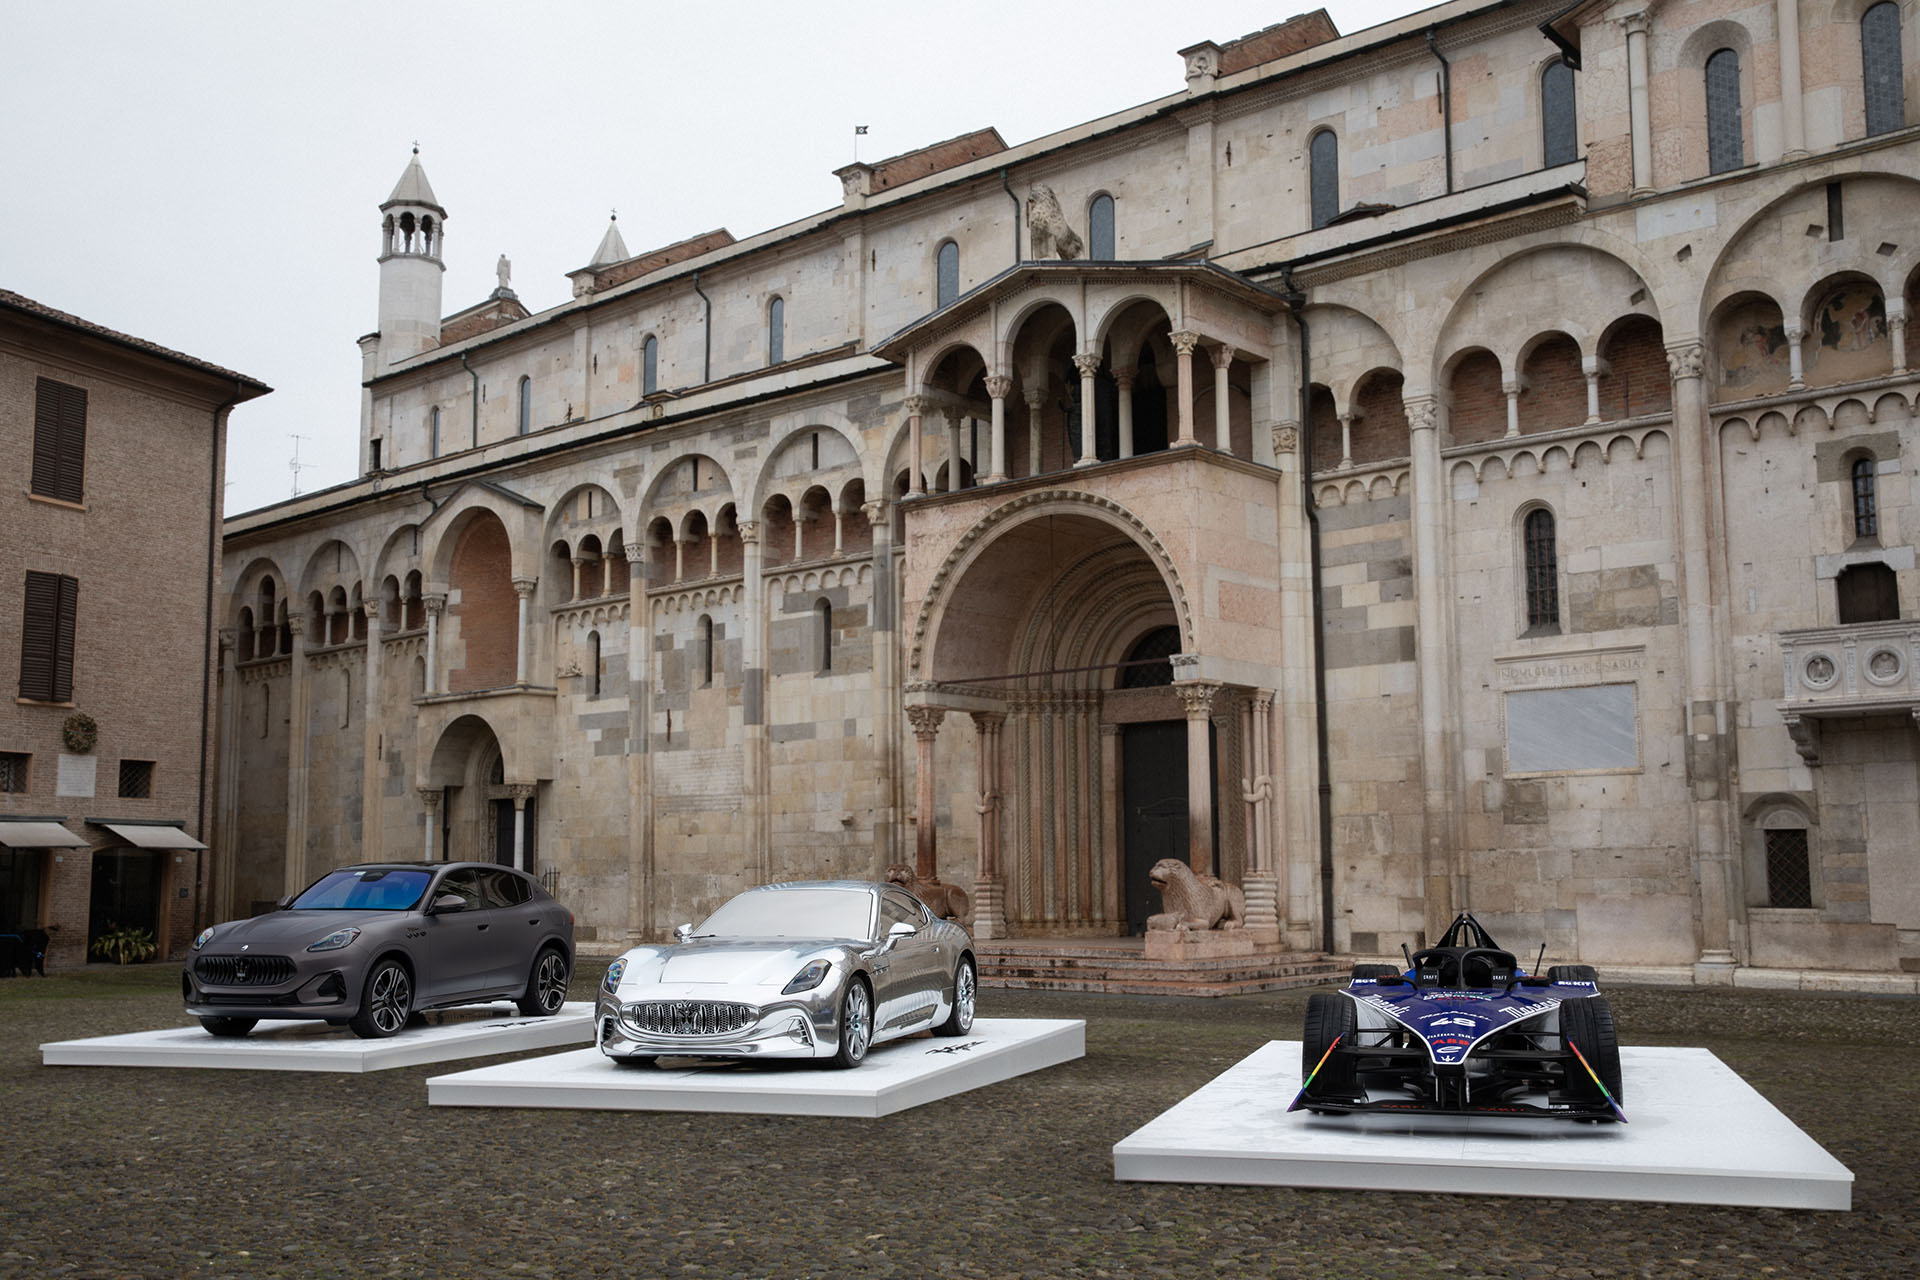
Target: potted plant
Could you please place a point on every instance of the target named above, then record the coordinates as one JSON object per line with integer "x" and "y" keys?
{"x": 124, "y": 945}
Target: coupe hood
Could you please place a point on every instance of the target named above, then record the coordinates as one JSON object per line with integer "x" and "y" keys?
{"x": 726, "y": 961}
{"x": 287, "y": 932}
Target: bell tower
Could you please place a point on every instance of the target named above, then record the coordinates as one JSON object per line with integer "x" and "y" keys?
{"x": 412, "y": 226}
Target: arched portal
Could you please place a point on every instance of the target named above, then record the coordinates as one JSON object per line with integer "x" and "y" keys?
{"x": 486, "y": 812}
{"x": 1057, "y": 634}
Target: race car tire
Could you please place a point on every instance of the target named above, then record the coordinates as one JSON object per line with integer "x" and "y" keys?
{"x": 1589, "y": 1024}
{"x": 1374, "y": 971}
{"x": 1329, "y": 1017}
{"x": 1571, "y": 973}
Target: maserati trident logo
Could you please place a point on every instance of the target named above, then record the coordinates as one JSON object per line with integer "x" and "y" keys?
{"x": 242, "y": 970}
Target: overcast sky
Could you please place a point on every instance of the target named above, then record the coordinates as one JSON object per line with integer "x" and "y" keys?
{"x": 208, "y": 175}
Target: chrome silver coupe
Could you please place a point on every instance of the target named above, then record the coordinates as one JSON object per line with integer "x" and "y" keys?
{"x": 365, "y": 947}
{"x": 823, "y": 969}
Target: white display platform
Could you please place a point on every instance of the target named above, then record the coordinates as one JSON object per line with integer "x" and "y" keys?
{"x": 1697, "y": 1134}
{"x": 896, "y": 1076}
{"x": 475, "y": 1031}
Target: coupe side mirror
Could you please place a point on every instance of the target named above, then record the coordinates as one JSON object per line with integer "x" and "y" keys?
{"x": 447, "y": 904}
{"x": 283, "y": 903}
{"x": 682, "y": 932}
{"x": 897, "y": 932}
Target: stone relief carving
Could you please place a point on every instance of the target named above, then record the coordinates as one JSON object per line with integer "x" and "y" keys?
{"x": 1048, "y": 230}
{"x": 1194, "y": 901}
{"x": 948, "y": 901}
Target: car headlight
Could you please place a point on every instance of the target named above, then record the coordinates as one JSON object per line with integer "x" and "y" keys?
{"x": 808, "y": 978}
{"x": 612, "y": 981}
{"x": 206, "y": 935}
{"x": 335, "y": 940}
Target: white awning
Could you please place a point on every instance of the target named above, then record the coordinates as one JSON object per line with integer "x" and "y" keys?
{"x": 153, "y": 837}
{"x": 39, "y": 835}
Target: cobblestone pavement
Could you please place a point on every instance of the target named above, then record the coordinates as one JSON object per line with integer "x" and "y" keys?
{"x": 109, "y": 1172}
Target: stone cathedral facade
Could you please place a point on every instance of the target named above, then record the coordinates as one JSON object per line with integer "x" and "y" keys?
{"x": 1463, "y": 464}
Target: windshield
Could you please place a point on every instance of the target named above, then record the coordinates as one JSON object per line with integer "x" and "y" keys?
{"x": 364, "y": 890}
{"x": 793, "y": 913}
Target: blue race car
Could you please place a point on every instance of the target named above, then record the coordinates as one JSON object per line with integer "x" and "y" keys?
{"x": 1463, "y": 1031}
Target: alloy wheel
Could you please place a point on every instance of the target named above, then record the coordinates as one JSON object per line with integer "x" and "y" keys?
{"x": 391, "y": 998}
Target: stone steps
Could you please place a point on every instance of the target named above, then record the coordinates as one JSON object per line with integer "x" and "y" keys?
{"x": 1119, "y": 969}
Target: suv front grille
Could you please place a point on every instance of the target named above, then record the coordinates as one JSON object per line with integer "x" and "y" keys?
{"x": 244, "y": 971}
{"x": 690, "y": 1017}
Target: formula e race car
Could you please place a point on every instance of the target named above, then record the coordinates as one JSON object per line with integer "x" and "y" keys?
{"x": 1463, "y": 1031}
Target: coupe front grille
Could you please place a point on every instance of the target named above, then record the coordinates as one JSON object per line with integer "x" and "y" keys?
{"x": 244, "y": 971}
{"x": 691, "y": 1017}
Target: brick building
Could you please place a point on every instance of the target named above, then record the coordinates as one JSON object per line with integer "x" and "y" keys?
{"x": 111, "y": 551}
{"x": 1459, "y": 464}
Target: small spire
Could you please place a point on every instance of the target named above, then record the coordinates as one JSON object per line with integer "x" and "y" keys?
{"x": 413, "y": 187}
{"x": 612, "y": 248}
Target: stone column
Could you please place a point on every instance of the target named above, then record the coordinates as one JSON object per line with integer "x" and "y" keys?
{"x": 1111, "y": 908}
{"x": 1088, "y": 365}
{"x": 1709, "y": 744}
{"x": 1346, "y": 440}
{"x": 434, "y": 604}
{"x": 1222, "y": 422}
{"x": 1183, "y": 345}
{"x": 1198, "y": 698}
{"x": 989, "y": 885}
{"x": 1511, "y": 389}
{"x": 1897, "y": 332}
{"x": 1035, "y": 398}
{"x": 886, "y": 688}
{"x": 800, "y": 522}
{"x": 372, "y": 785}
{"x": 953, "y": 451}
{"x": 523, "y": 588}
{"x": 1793, "y": 120}
{"x": 520, "y": 793}
{"x": 579, "y": 567}
{"x": 839, "y": 534}
{"x": 430, "y": 797}
{"x": 1261, "y": 885}
{"x": 679, "y": 560}
{"x": 297, "y": 716}
{"x": 1433, "y": 660}
{"x": 926, "y": 727}
{"x": 606, "y": 575}
{"x": 218, "y": 900}
{"x": 1796, "y": 376}
{"x": 1123, "y": 380}
{"x": 753, "y": 703}
{"x": 1637, "y": 25}
{"x": 639, "y": 753}
{"x": 998, "y": 386}
{"x": 1593, "y": 367}
{"x": 916, "y": 485}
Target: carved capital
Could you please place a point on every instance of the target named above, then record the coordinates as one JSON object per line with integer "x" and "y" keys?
{"x": 1123, "y": 378}
{"x": 926, "y": 721}
{"x": 1034, "y": 396}
{"x": 373, "y": 609}
{"x": 523, "y": 587}
{"x": 1184, "y": 342}
{"x": 436, "y": 603}
{"x": 1088, "y": 364}
{"x": 636, "y": 552}
{"x": 1222, "y": 356}
{"x": 519, "y": 793}
{"x": 999, "y": 385}
{"x": 1637, "y": 24}
{"x": 749, "y": 532}
{"x": 875, "y": 510}
{"x": 988, "y": 721}
{"x": 916, "y": 406}
{"x": 1286, "y": 438}
{"x": 430, "y": 797}
{"x": 1423, "y": 413}
{"x": 1685, "y": 361}
{"x": 1198, "y": 698}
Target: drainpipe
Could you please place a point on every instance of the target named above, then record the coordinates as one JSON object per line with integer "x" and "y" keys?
{"x": 706, "y": 326}
{"x": 1446, "y": 102}
{"x": 216, "y": 506}
{"x": 1296, "y": 301}
{"x": 476, "y": 398}
{"x": 1008, "y": 188}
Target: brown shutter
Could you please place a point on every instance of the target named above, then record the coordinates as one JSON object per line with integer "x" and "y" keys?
{"x": 47, "y": 636}
{"x": 59, "y": 440}
{"x": 65, "y": 620}
{"x": 46, "y": 438}
{"x": 73, "y": 444}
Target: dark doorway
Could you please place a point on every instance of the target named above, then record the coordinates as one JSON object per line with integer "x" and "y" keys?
{"x": 126, "y": 893}
{"x": 1149, "y": 407}
{"x": 21, "y": 874}
{"x": 1868, "y": 593}
{"x": 1153, "y": 781}
{"x": 503, "y": 834}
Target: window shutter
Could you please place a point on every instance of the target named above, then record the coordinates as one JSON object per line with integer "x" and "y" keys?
{"x": 39, "y": 626}
{"x": 68, "y": 612}
{"x": 59, "y": 440}
{"x": 73, "y": 444}
{"x": 46, "y": 438}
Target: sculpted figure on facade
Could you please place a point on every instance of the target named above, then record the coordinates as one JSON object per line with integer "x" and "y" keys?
{"x": 1194, "y": 901}
{"x": 948, "y": 901}
{"x": 1051, "y": 235}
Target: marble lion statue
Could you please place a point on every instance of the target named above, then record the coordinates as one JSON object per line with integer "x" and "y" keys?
{"x": 1047, "y": 225}
{"x": 949, "y": 901}
{"x": 1194, "y": 901}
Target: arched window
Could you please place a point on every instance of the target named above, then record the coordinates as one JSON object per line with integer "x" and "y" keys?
{"x": 1543, "y": 572}
{"x": 1789, "y": 860}
{"x": 1866, "y": 508}
{"x": 593, "y": 664}
{"x": 706, "y": 651}
{"x": 1323, "y": 176}
{"x": 1880, "y": 67}
{"x": 649, "y": 366}
{"x": 946, "y": 273}
{"x": 1558, "y": 124}
{"x": 1147, "y": 664}
{"x": 1726, "y": 149}
{"x": 1867, "y": 593}
{"x": 823, "y": 628}
{"x": 776, "y": 331}
{"x": 526, "y": 405}
{"x": 1100, "y": 229}
{"x": 433, "y": 433}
